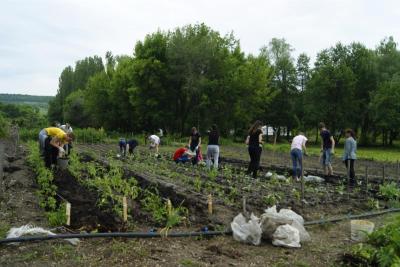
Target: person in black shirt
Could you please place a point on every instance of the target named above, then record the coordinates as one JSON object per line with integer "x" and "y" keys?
{"x": 327, "y": 148}
{"x": 194, "y": 144}
{"x": 213, "y": 147}
{"x": 254, "y": 142}
{"x": 131, "y": 145}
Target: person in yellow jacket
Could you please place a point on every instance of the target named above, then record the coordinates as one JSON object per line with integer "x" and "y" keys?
{"x": 51, "y": 142}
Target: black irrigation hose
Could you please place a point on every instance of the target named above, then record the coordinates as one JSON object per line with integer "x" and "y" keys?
{"x": 115, "y": 234}
{"x": 190, "y": 234}
{"x": 350, "y": 217}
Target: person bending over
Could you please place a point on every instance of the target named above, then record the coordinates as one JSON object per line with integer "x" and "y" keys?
{"x": 51, "y": 142}
{"x": 154, "y": 143}
{"x": 195, "y": 144}
{"x": 131, "y": 145}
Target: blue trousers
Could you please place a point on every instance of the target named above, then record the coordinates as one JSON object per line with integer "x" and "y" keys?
{"x": 297, "y": 159}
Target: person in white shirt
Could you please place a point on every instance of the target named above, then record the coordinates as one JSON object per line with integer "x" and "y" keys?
{"x": 296, "y": 152}
{"x": 67, "y": 129}
{"x": 154, "y": 142}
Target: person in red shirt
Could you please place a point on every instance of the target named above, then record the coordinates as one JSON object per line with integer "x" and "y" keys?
{"x": 182, "y": 155}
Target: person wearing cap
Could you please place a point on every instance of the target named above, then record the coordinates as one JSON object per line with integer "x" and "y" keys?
{"x": 51, "y": 142}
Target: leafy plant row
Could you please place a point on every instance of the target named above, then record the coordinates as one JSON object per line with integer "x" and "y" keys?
{"x": 47, "y": 189}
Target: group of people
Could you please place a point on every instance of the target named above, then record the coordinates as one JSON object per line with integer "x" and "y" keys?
{"x": 192, "y": 152}
{"x": 55, "y": 142}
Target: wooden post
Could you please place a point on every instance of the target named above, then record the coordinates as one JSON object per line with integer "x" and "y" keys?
{"x": 125, "y": 209}
{"x": 169, "y": 206}
{"x": 210, "y": 204}
{"x": 366, "y": 180}
{"x": 302, "y": 183}
{"x": 68, "y": 213}
{"x": 398, "y": 171}
{"x": 383, "y": 173}
{"x": 348, "y": 178}
{"x": 244, "y": 206}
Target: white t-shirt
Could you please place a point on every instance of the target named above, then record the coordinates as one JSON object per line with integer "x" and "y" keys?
{"x": 66, "y": 129}
{"x": 154, "y": 139}
{"x": 298, "y": 142}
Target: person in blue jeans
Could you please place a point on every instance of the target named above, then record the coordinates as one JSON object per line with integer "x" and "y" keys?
{"x": 327, "y": 148}
{"x": 296, "y": 152}
{"x": 350, "y": 154}
{"x": 122, "y": 146}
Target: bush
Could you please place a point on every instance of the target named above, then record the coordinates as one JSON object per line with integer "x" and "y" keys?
{"x": 90, "y": 135}
{"x": 4, "y": 126}
{"x": 381, "y": 249}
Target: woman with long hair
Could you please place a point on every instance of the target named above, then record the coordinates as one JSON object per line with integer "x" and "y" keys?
{"x": 194, "y": 144}
{"x": 350, "y": 154}
{"x": 254, "y": 142}
{"x": 213, "y": 147}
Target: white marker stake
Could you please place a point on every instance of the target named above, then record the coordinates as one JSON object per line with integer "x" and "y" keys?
{"x": 210, "y": 204}
{"x": 68, "y": 213}
{"x": 125, "y": 209}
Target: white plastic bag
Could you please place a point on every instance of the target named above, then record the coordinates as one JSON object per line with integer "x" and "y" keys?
{"x": 315, "y": 179}
{"x": 272, "y": 219}
{"x": 247, "y": 231}
{"x": 28, "y": 229}
{"x": 286, "y": 236}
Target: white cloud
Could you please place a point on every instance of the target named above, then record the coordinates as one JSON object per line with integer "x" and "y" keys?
{"x": 39, "y": 38}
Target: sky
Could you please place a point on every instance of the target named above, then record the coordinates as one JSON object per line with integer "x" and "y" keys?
{"x": 39, "y": 38}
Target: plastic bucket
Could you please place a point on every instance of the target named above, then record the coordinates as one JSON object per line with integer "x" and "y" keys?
{"x": 62, "y": 163}
{"x": 360, "y": 229}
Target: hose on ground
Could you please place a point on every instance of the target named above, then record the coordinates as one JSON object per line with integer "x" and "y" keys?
{"x": 189, "y": 234}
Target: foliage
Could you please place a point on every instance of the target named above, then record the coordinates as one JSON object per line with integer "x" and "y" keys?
{"x": 90, "y": 135}
{"x": 47, "y": 190}
{"x": 22, "y": 115}
{"x": 389, "y": 192}
{"x": 382, "y": 247}
{"x": 4, "y": 126}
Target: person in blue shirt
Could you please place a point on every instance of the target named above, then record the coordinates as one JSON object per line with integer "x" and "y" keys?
{"x": 131, "y": 145}
{"x": 350, "y": 154}
{"x": 122, "y": 146}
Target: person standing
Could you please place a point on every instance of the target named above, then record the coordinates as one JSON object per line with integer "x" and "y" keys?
{"x": 195, "y": 144}
{"x": 327, "y": 148}
{"x": 213, "y": 147}
{"x": 254, "y": 142}
{"x": 296, "y": 152}
{"x": 350, "y": 154}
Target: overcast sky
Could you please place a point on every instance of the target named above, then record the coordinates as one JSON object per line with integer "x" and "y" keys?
{"x": 38, "y": 38}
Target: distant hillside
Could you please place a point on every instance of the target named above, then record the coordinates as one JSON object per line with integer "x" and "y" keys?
{"x": 41, "y": 102}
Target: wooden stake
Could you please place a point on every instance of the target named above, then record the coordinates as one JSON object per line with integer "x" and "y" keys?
{"x": 244, "y": 205}
{"x": 210, "y": 204}
{"x": 348, "y": 178}
{"x": 383, "y": 173}
{"x": 169, "y": 206}
{"x": 68, "y": 213}
{"x": 398, "y": 171}
{"x": 125, "y": 209}
{"x": 366, "y": 180}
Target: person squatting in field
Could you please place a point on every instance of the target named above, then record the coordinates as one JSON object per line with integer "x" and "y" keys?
{"x": 297, "y": 149}
{"x": 327, "y": 148}
{"x": 183, "y": 155}
{"x": 213, "y": 147}
{"x": 195, "y": 144}
{"x": 51, "y": 142}
{"x": 154, "y": 143}
{"x": 254, "y": 141}
{"x": 350, "y": 154}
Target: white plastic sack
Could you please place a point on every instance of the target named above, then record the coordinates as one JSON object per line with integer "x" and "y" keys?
{"x": 286, "y": 236}
{"x": 269, "y": 174}
{"x": 247, "y": 231}
{"x": 315, "y": 179}
{"x": 272, "y": 219}
{"x": 281, "y": 177}
{"x": 15, "y": 232}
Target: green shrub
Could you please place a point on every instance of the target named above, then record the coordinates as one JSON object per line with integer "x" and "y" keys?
{"x": 381, "y": 249}
{"x": 90, "y": 135}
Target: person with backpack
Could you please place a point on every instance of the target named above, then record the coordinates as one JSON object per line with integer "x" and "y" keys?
{"x": 254, "y": 141}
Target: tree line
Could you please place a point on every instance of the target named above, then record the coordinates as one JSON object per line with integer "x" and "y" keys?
{"x": 194, "y": 76}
